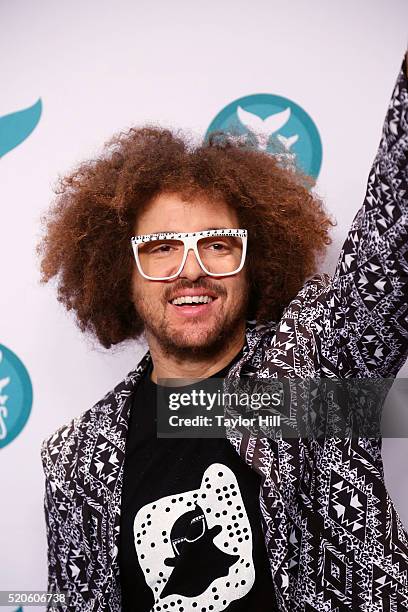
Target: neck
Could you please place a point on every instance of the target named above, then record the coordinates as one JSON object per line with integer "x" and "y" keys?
{"x": 170, "y": 366}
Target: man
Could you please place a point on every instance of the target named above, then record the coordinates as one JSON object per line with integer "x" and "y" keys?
{"x": 249, "y": 522}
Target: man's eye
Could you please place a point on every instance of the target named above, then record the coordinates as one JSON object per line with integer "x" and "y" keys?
{"x": 163, "y": 248}
{"x": 218, "y": 246}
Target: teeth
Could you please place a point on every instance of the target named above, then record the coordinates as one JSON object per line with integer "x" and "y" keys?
{"x": 192, "y": 299}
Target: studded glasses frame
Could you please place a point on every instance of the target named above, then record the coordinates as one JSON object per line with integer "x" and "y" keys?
{"x": 189, "y": 240}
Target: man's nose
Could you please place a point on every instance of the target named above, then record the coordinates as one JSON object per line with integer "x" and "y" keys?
{"x": 191, "y": 269}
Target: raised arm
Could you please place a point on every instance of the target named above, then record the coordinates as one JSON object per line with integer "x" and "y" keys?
{"x": 363, "y": 328}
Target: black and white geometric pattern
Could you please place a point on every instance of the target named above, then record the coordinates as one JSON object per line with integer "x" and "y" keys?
{"x": 334, "y": 539}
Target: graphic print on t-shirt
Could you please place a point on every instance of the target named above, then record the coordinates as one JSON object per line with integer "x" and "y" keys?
{"x": 204, "y": 534}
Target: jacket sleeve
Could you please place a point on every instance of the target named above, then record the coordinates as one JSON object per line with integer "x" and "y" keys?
{"x": 56, "y": 507}
{"x": 53, "y": 522}
{"x": 363, "y": 325}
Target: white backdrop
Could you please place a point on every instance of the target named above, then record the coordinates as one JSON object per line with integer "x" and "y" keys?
{"x": 99, "y": 67}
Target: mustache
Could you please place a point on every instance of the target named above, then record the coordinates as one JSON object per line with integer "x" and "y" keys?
{"x": 219, "y": 290}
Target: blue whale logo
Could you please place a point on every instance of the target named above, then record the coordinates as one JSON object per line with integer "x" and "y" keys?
{"x": 274, "y": 120}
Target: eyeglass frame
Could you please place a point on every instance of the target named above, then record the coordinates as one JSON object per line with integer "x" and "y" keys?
{"x": 176, "y": 541}
{"x": 189, "y": 240}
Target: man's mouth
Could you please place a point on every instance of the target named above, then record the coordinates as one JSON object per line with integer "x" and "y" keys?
{"x": 193, "y": 303}
{"x": 192, "y": 300}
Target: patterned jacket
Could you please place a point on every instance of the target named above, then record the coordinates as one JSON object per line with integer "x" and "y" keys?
{"x": 334, "y": 538}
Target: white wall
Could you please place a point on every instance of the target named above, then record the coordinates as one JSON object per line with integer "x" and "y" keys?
{"x": 101, "y": 66}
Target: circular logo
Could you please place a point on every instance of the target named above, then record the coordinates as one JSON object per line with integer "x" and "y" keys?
{"x": 270, "y": 119}
{"x": 16, "y": 396}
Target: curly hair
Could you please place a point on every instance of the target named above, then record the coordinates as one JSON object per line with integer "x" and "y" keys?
{"x": 87, "y": 229}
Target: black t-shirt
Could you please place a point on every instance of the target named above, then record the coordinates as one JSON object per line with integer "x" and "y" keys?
{"x": 191, "y": 536}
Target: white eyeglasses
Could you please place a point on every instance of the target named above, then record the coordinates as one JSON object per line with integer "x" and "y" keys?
{"x": 161, "y": 256}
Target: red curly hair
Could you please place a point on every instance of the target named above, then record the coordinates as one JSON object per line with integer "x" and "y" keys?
{"x": 86, "y": 240}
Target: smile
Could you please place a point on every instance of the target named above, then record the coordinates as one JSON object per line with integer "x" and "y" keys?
{"x": 191, "y": 300}
{"x": 192, "y": 306}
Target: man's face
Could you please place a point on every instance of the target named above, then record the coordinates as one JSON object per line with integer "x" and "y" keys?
{"x": 184, "y": 331}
